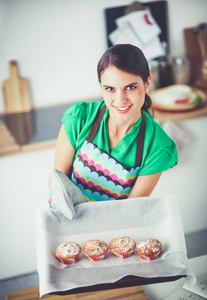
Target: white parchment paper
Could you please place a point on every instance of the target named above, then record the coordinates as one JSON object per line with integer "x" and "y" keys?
{"x": 138, "y": 218}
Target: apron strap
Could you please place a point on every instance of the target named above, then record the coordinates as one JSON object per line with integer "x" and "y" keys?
{"x": 140, "y": 142}
{"x": 96, "y": 124}
{"x": 140, "y": 138}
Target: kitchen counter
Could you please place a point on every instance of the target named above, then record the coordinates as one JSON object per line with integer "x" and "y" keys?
{"x": 30, "y": 131}
{"x": 38, "y": 129}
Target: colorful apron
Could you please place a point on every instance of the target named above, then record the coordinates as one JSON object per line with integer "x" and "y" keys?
{"x": 101, "y": 177}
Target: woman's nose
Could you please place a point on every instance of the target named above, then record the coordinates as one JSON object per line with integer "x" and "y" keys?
{"x": 120, "y": 98}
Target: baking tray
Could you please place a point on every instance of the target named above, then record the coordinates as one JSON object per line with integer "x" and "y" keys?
{"x": 138, "y": 217}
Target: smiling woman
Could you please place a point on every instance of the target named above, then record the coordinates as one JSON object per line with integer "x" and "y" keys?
{"x": 113, "y": 149}
{"x": 131, "y": 60}
{"x": 124, "y": 95}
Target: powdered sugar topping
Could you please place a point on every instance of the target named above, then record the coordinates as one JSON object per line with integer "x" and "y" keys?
{"x": 71, "y": 249}
{"x": 122, "y": 244}
{"x": 95, "y": 247}
{"x": 149, "y": 246}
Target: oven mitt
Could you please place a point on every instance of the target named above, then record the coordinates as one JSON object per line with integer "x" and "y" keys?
{"x": 65, "y": 194}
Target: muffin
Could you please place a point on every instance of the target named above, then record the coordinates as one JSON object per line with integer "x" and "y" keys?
{"x": 122, "y": 247}
{"x": 149, "y": 249}
{"x": 96, "y": 249}
{"x": 68, "y": 252}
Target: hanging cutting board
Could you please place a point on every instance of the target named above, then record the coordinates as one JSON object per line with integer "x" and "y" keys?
{"x": 16, "y": 91}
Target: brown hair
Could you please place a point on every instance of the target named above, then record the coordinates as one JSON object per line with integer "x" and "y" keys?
{"x": 130, "y": 59}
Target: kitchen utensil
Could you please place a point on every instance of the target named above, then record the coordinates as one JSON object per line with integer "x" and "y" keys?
{"x": 165, "y": 68}
{"x": 16, "y": 91}
{"x": 154, "y": 70}
{"x": 181, "y": 70}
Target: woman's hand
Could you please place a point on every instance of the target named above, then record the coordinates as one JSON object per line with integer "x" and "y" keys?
{"x": 64, "y": 154}
{"x": 144, "y": 185}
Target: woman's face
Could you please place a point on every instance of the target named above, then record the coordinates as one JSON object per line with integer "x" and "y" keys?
{"x": 123, "y": 93}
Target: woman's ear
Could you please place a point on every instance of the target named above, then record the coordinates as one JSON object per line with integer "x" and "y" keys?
{"x": 147, "y": 84}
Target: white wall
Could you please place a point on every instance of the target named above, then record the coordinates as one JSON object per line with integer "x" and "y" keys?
{"x": 58, "y": 43}
{"x": 24, "y": 186}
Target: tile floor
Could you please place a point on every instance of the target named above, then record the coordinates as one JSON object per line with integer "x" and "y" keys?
{"x": 32, "y": 280}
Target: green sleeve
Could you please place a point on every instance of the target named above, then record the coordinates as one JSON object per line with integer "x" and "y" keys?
{"x": 161, "y": 160}
{"x": 78, "y": 119}
{"x": 160, "y": 151}
{"x": 73, "y": 122}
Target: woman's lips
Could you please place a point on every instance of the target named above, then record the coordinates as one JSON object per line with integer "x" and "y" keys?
{"x": 122, "y": 109}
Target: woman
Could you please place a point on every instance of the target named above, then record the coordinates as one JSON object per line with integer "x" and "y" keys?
{"x": 113, "y": 149}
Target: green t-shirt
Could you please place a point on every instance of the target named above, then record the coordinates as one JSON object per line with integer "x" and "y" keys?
{"x": 159, "y": 152}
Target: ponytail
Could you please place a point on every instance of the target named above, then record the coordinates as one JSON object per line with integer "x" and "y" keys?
{"x": 148, "y": 105}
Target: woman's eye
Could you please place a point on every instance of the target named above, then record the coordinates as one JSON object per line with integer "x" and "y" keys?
{"x": 109, "y": 89}
{"x": 131, "y": 87}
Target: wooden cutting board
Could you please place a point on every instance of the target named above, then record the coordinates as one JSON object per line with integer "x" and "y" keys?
{"x": 16, "y": 91}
